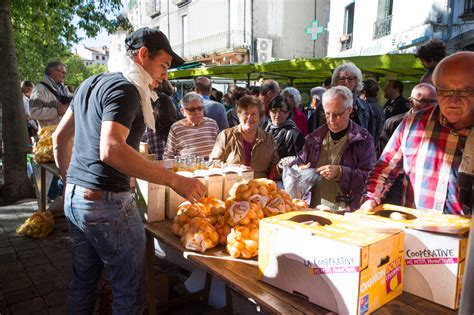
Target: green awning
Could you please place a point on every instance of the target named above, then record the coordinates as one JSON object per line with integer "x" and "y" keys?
{"x": 299, "y": 71}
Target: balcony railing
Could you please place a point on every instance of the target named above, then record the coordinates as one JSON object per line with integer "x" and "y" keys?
{"x": 346, "y": 41}
{"x": 213, "y": 44}
{"x": 382, "y": 27}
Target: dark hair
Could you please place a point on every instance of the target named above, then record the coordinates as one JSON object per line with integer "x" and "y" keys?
{"x": 370, "y": 88}
{"x": 435, "y": 50}
{"x": 26, "y": 83}
{"x": 397, "y": 84}
{"x": 153, "y": 52}
{"x": 279, "y": 102}
{"x": 254, "y": 90}
{"x": 327, "y": 82}
{"x": 249, "y": 101}
{"x": 165, "y": 114}
{"x": 53, "y": 66}
{"x": 165, "y": 87}
{"x": 240, "y": 92}
{"x": 216, "y": 95}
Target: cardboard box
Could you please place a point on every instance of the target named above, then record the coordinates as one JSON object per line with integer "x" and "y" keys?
{"x": 244, "y": 172}
{"x": 153, "y": 197}
{"x": 435, "y": 251}
{"x": 229, "y": 179}
{"x": 337, "y": 265}
{"x": 213, "y": 182}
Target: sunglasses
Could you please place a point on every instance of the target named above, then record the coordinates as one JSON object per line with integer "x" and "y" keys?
{"x": 194, "y": 109}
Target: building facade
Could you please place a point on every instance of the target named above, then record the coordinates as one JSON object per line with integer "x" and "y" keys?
{"x": 93, "y": 55}
{"x": 373, "y": 27}
{"x": 218, "y": 32}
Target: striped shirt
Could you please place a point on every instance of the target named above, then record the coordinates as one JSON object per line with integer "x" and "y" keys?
{"x": 429, "y": 152}
{"x": 191, "y": 140}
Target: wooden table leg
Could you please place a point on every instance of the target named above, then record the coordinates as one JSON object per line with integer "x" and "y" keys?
{"x": 150, "y": 283}
{"x": 43, "y": 189}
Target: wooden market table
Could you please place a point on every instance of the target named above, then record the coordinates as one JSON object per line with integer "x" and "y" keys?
{"x": 242, "y": 276}
{"x": 40, "y": 183}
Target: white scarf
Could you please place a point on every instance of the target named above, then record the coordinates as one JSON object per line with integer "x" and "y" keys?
{"x": 135, "y": 73}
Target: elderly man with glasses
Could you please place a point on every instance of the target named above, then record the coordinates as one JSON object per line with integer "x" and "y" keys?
{"x": 194, "y": 134}
{"x": 341, "y": 151}
{"x": 431, "y": 145}
{"x": 50, "y": 98}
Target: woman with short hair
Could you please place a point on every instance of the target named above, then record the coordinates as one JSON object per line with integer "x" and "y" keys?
{"x": 194, "y": 134}
{"x": 247, "y": 143}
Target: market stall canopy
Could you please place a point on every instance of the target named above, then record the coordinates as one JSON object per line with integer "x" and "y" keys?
{"x": 404, "y": 67}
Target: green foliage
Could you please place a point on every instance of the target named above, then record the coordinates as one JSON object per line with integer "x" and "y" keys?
{"x": 96, "y": 69}
{"x": 44, "y": 30}
{"x": 76, "y": 70}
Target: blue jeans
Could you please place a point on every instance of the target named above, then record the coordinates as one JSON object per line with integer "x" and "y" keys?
{"x": 105, "y": 229}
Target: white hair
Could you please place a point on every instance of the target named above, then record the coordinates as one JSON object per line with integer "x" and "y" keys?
{"x": 350, "y": 68}
{"x": 296, "y": 94}
{"x": 189, "y": 97}
{"x": 341, "y": 91}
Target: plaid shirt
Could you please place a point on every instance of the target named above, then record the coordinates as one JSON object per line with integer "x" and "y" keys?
{"x": 156, "y": 144}
{"x": 429, "y": 152}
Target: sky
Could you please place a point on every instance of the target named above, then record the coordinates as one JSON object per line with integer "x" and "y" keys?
{"x": 102, "y": 39}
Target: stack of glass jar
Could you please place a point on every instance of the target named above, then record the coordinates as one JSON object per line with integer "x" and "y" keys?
{"x": 189, "y": 163}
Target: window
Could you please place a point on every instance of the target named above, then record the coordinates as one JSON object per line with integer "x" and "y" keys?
{"x": 349, "y": 19}
{"x": 468, "y": 6}
{"x": 184, "y": 33}
{"x": 103, "y": 57}
{"x": 383, "y": 25}
{"x": 97, "y": 57}
{"x": 153, "y": 8}
{"x": 346, "y": 38}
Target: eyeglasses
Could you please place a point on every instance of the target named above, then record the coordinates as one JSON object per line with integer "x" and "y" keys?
{"x": 335, "y": 115}
{"x": 423, "y": 101}
{"x": 348, "y": 79}
{"x": 449, "y": 93}
{"x": 279, "y": 111}
{"x": 194, "y": 109}
{"x": 63, "y": 72}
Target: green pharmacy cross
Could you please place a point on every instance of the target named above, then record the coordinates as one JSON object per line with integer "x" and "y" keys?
{"x": 314, "y": 30}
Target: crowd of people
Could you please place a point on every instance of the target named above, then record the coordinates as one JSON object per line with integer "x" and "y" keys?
{"x": 407, "y": 152}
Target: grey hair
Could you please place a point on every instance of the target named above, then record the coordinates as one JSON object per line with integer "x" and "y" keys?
{"x": 296, "y": 94}
{"x": 341, "y": 91}
{"x": 319, "y": 91}
{"x": 423, "y": 85}
{"x": 353, "y": 70}
{"x": 189, "y": 97}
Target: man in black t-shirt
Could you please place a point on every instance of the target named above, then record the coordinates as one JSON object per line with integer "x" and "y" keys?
{"x": 96, "y": 142}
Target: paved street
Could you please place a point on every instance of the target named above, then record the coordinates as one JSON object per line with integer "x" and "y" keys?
{"x": 34, "y": 274}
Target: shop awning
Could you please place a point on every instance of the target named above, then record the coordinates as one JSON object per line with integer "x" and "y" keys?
{"x": 404, "y": 67}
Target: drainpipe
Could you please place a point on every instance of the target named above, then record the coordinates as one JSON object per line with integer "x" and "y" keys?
{"x": 314, "y": 42}
{"x": 168, "y": 13}
{"x": 228, "y": 24}
{"x": 252, "y": 42}
{"x": 448, "y": 34}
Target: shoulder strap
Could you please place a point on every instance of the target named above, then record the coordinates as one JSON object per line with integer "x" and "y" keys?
{"x": 49, "y": 88}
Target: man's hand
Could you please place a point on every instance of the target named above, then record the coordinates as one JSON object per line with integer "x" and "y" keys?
{"x": 190, "y": 188}
{"x": 329, "y": 171}
{"x": 62, "y": 108}
{"x": 367, "y": 206}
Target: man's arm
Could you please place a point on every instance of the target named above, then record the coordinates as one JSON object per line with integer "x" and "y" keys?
{"x": 115, "y": 152}
{"x": 63, "y": 139}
